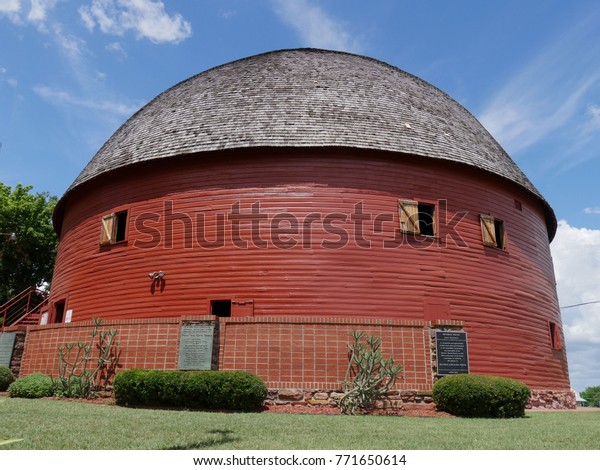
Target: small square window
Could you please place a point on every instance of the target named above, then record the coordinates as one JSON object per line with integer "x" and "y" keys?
{"x": 417, "y": 218}
{"x": 220, "y": 308}
{"x": 114, "y": 228}
{"x": 492, "y": 231}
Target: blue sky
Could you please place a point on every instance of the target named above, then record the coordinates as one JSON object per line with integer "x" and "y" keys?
{"x": 72, "y": 71}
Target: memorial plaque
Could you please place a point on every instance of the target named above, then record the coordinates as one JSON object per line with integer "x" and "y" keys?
{"x": 7, "y": 344}
{"x": 196, "y": 346}
{"x": 452, "y": 352}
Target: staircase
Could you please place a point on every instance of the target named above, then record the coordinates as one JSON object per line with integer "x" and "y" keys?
{"x": 24, "y": 308}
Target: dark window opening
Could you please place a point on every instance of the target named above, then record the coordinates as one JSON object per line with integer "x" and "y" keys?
{"x": 121, "y": 225}
{"x": 220, "y": 308}
{"x": 518, "y": 205}
{"x": 499, "y": 227}
{"x": 59, "y": 311}
{"x": 426, "y": 220}
{"x": 555, "y": 338}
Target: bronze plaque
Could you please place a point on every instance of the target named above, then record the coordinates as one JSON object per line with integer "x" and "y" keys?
{"x": 196, "y": 346}
{"x": 452, "y": 352}
{"x": 7, "y": 344}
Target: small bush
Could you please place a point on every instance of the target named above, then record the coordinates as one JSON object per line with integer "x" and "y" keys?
{"x": 481, "y": 396}
{"x": 31, "y": 386}
{"x": 197, "y": 389}
{"x": 6, "y": 378}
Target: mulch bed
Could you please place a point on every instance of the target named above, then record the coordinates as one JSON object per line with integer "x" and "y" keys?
{"x": 329, "y": 410}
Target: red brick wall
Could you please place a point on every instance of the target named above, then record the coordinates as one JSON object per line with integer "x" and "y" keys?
{"x": 313, "y": 352}
{"x": 283, "y": 351}
{"x": 149, "y": 343}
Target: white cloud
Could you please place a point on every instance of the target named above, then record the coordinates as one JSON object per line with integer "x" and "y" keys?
{"x": 70, "y": 45}
{"x": 4, "y": 77}
{"x": 147, "y": 18}
{"x": 593, "y": 112}
{"x": 10, "y": 6}
{"x": 118, "y": 48}
{"x": 39, "y": 10}
{"x": 592, "y": 210}
{"x": 550, "y": 95}
{"x": 66, "y": 99}
{"x": 576, "y": 255}
{"x": 315, "y": 27}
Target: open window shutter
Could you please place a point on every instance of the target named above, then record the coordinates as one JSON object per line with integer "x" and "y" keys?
{"x": 107, "y": 233}
{"x": 488, "y": 231}
{"x": 556, "y": 340}
{"x": 409, "y": 216}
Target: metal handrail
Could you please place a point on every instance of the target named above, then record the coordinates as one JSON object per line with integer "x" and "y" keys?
{"x": 18, "y": 308}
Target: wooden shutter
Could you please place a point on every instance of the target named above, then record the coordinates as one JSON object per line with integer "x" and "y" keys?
{"x": 488, "y": 231}
{"x": 107, "y": 231}
{"x": 555, "y": 336}
{"x": 409, "y": 216}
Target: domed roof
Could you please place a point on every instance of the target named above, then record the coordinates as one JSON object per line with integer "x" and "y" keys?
{"x": 305, "y": 98}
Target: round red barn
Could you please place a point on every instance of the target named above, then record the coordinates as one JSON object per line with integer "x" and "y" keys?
{"x": 310, "y": 184}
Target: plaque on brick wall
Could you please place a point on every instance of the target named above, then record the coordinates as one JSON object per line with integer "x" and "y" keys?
{"x": 7, "y": 344}
{"x": 452, "y": 352}
{"x": 196, "y": 346}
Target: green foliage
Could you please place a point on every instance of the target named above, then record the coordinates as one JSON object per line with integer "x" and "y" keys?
{"x": 28, "y": 260}
{"x": 369, "y": 375}
{"x": 592, "y": 395}
{"x": 6, "y": 378}
{"x": 79, "y": 365}
{"x": 481, "y": 396}
{"x": 36, "y": 385}
{"x": 195, "y": 389}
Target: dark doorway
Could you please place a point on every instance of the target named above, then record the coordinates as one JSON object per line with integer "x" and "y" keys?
{"x": 59, "y": 311}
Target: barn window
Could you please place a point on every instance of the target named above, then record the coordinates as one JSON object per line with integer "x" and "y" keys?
{"x": 114, "y": 228}
{"x": 492, "y": 231}
{"x": 220, "y": 308}
{"x": 417, "y": 218}
{"x": 555, "y": 338}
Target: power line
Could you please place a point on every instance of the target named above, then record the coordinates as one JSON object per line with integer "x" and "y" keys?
{"x": 583, "y": 303}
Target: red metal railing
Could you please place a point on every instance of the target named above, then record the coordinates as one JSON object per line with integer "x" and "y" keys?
{"x": 23, "y": 308}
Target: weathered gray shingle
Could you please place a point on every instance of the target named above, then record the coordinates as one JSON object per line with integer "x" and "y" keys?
{"x": 304, "y": 98}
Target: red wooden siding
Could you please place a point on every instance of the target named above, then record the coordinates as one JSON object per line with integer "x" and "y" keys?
{"x": 504, "y": 297}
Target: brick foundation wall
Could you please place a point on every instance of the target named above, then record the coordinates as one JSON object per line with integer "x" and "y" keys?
{"x": 313, "y": 352}
{"x": 142, "y": 343}
{"x": 303, "y": 359}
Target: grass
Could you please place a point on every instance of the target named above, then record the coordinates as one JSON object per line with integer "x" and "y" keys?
{"x": 47, "y": 424}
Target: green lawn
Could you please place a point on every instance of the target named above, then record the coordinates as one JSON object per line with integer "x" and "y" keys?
{"x": 46, "y": 424}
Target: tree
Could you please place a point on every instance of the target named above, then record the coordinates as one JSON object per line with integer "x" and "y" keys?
{"x": 592, "y": 395}
{"x": 27, "y": 258}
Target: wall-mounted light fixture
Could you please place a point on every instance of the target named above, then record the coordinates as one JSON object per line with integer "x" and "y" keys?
{"x": 156, "y": 275}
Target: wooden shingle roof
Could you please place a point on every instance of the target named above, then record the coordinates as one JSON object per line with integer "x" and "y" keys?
{"x": 306, "y": 98}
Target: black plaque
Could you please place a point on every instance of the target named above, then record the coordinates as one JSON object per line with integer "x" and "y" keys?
{"x": 452, "y": 352}
{"x": 7, "y": 344}
{"x": 196, "y": 346}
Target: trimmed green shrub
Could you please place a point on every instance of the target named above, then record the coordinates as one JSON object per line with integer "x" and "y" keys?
{"x": 222, "y": 390}
{"x": 481, "y": 396}
{"x": 36, "y": 385}
{"x": 6, "y": 378}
